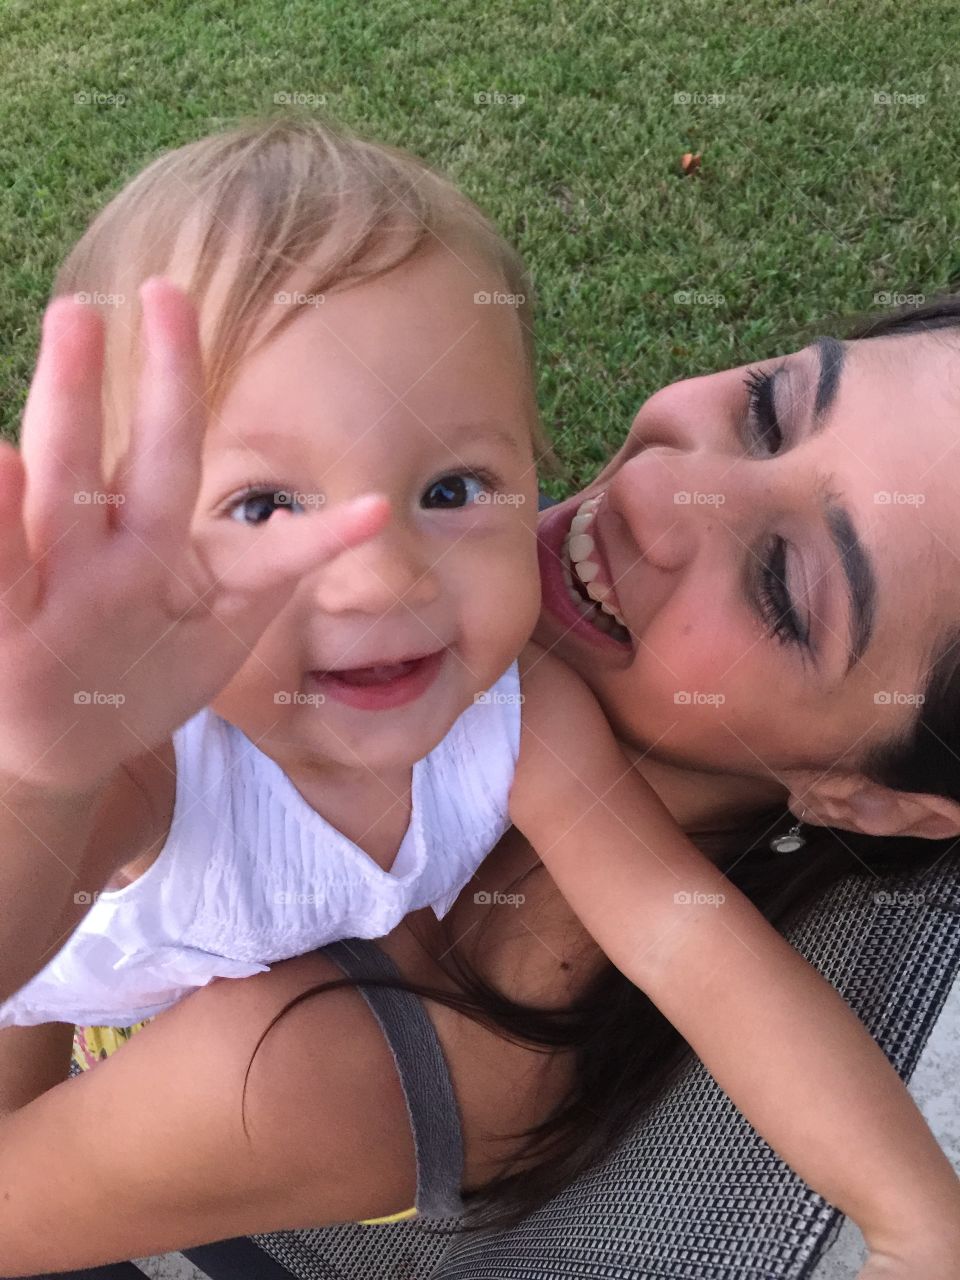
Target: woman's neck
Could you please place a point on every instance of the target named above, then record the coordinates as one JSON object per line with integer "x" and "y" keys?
{"x": 701, "y": 801}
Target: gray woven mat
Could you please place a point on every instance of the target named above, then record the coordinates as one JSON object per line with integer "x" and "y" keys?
{"x": 695, "y": 1194}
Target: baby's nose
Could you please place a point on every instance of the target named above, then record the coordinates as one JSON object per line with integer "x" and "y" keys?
{"x": 377, "y": 577}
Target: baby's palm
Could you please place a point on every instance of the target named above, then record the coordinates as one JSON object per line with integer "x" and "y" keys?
{"x": 117, "y": 621}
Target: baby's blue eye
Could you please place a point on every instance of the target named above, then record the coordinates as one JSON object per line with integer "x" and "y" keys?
{"x": 454, "y": 490}
{"x": 260, "y": 505}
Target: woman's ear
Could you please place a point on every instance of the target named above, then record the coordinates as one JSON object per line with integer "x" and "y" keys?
{"x": 854, "y": 803}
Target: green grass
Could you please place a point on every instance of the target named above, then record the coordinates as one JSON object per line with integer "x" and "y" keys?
{"x": 812, "y": 199}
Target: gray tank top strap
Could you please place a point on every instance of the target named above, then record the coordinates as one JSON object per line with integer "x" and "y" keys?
{"x": 424, "y": 1076}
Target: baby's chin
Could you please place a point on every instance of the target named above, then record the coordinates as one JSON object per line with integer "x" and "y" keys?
{"x": 381, "y": 742}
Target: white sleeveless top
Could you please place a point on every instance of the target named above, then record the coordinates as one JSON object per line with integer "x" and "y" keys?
{"x": 251, "y": 874}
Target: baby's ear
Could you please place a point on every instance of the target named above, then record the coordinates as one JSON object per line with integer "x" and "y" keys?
{"x": 853, "y": 802}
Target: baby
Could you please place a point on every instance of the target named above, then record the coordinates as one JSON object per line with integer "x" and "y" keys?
{"x": 357, "y": 766}
{"x": 294, "y": 714}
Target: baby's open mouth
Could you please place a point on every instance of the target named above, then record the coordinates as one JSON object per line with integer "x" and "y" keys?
{"x": 380, "y": 685}
{"x": 588, "y": 577}
{"x": 379, "y": 673}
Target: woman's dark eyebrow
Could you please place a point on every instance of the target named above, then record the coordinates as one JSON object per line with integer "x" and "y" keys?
{"x": 861, "y": 581}
{"x": 858, "y": 571}
{"x": 831, "y": 355}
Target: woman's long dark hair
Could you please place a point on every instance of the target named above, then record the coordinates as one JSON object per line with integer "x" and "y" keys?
{"x": 625, "y": 1051}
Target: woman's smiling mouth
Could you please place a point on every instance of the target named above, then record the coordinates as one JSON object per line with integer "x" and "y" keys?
{"x": 585, "y": 570}
{"x": 577, "y": 582}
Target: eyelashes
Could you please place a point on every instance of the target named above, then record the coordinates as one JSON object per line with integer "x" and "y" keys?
{"x": 762, "y": 420}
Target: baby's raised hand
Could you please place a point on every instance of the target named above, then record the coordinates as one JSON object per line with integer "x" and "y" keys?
{"x": 117, "y": 622}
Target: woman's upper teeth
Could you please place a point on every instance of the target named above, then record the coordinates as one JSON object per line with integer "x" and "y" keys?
{"x": 580, "y": 548}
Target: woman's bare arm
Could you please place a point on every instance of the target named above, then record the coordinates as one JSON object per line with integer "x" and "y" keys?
{"x": 774, "y": 1034}
{"x": 32, "y": 1060}
{"x": 157, "y": 1130}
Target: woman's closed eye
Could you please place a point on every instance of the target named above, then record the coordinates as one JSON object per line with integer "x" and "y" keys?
{"x": 761, "y": 419}
{"x": 458, "y": 489}
{"x": 773, "y": 598}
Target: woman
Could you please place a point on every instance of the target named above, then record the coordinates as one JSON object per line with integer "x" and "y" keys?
{"x": 786, "y": 528}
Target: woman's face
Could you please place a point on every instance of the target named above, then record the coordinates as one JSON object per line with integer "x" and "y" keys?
{"x": 782, "y": 543}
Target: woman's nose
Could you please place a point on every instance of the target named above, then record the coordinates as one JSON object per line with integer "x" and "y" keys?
{"x": 671, "y": 498}
{"x": 377, "y": 577}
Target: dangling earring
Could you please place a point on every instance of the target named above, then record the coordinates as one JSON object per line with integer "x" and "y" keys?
{"x": 789, "y": 841}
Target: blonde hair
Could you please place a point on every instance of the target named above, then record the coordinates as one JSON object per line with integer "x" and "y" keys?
{"x": 231, "y": 216}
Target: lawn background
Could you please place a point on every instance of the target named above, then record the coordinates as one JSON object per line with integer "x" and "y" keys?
{"x": 816, "y": 197}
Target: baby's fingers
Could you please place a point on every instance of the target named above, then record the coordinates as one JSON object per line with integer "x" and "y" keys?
{"x": 290, "y": 545}
{"x": 18, "y": 579}
{"x": 161, "y": 472}
{"x": 61, "y": 434}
